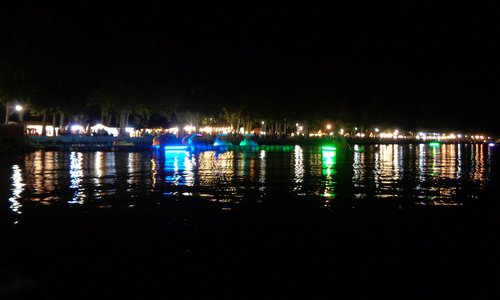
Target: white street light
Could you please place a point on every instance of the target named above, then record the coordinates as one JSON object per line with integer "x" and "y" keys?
{"x": 9, "y": 109}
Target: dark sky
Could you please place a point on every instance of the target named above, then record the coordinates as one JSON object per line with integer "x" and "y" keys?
{"x": 415, "y": 63}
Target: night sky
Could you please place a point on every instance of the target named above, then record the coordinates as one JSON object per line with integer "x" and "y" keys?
{"x": 415, "y": 64}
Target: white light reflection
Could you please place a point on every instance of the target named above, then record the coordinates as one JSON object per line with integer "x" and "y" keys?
{"x": 98, "y": 165}
{"x": 359, "y": 173}
{"x": 421, "y": 162}
{"x": 131, "y": 171}
{"x": 356, "y": 178}
{"x": 17, "y": 189}
{"x": 459, "y": 161}
{"x": 76, "y": 174}
{"x": 298, "y": 167}
{"x": 130, "y": 165}
{"x": 489, "y": 162}
{"x": 262, "y": 173}
{"x": 376, "y": 169}
{"x": 397, "y": 161}
{"x": 188, "y": 170}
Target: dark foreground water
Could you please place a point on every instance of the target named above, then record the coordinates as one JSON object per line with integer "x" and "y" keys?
{"x": 407, "y": 221}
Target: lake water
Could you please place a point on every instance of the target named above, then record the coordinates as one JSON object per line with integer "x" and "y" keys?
{"x": 404, "y": 174}
{"x": 394, "y": 220}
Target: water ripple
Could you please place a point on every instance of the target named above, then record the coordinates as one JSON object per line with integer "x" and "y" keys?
{"x": 419, "y": 174}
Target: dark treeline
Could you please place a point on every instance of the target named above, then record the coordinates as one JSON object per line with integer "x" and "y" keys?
{"x": 168, "y": 66}
{"x": 61, "y": 74}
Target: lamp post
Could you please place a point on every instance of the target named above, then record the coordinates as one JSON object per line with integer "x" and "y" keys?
{"x": 17, "y": 108}
{"x": 7, "y": 112}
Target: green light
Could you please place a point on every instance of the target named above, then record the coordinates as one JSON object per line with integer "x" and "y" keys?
{"x": 328, "y": 195}
{"x": 329, "y": 162}
{"x": 328, "y": 154}
{"x": 434, "y": 144}
{"x": 328, "y": 148}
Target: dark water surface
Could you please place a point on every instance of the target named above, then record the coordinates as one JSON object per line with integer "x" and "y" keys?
{"x": 411, "y": 221}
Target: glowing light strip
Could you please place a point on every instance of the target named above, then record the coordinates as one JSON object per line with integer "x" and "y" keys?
{"x": 434, "y": 144}
{"x": 175, "y": 147}
{"x": 329, "y": 148}
{"x": 176, "y": 152}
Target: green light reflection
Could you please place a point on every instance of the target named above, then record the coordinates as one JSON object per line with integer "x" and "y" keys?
{"x": 329, "y": 160}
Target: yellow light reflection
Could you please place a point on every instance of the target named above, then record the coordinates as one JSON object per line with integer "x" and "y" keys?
{"x": 154, "y": 171}
{"x": 478, "y": 163}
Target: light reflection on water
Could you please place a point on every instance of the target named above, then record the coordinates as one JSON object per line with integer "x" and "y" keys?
{"x": 17, "y": 189}
{"x": 329, "y": 160}
{"x": 420, "y": 174}
{"x": 298, "y": 165}
{"x": 76, "y": 175}
{"x": 262, "y": 172}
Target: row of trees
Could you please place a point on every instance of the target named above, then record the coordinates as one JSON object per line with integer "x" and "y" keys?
{"x": 119, "y": 72}
{"x": 177, "y": 104}
{"x": 67, "y": 90}
{"x": 63, "y": 76}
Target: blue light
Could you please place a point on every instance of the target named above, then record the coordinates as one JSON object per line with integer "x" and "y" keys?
{"x": 175, "y": 153}
{"x": 491, "y": 144}
{"x": 175, "y": 147}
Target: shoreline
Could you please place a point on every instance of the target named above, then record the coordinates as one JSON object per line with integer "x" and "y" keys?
{"x": 97, "y": 143}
